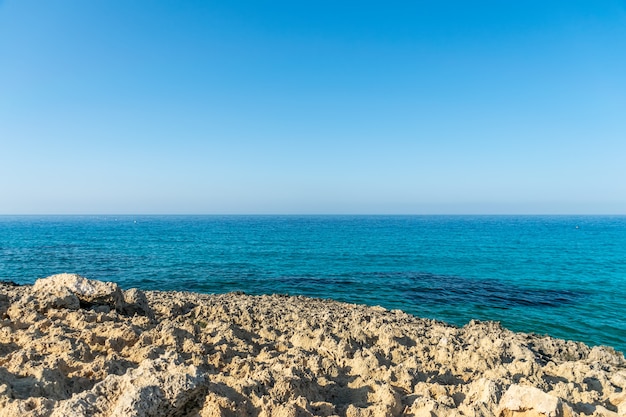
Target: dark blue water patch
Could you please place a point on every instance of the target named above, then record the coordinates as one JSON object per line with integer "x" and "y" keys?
{"x": 305, "y": 280}
{"x": 426, "y": 288}
{"x": 433, "y": 289}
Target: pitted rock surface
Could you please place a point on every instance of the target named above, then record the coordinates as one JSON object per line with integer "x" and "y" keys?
{"x": 109, "y": 352}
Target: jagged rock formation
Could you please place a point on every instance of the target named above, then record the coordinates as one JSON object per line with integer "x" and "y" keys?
{"x": 76, "y": 347}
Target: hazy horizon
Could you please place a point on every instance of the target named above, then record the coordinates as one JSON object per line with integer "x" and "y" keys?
{"x": 163, "y": 107}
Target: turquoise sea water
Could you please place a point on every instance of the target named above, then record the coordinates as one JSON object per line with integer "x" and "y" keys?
{"x": 559, "y": 275}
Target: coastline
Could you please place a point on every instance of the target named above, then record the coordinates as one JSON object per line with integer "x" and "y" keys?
{"x": 72, "y": 346}
{"x": 521, "y": 270}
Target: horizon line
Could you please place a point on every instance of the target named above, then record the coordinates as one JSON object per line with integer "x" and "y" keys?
{"x": 302, "y": 214}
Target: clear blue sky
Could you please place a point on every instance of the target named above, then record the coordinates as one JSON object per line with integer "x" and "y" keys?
{"x": 117, "y": 106}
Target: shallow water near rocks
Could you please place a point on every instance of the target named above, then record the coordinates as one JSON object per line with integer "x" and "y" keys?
{"x": 560, "y": 275}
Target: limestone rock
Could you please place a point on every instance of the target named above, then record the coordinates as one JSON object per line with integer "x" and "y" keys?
{"x": 88, "y": 292}
{"x": 619, "y": 380}
{"x": 618, "y": 400}
{"x": 484, "y": 391}
{"x": 137, "y": 303}
{"x": 74, "y": 347}
{"x": 4, "y": 305}
{"x": 43, "y": 300}
{"x": 160, "y": 387}
{"x": 523, "y": 401}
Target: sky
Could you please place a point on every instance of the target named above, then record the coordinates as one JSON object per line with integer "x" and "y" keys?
{"x": 312, "y": 107}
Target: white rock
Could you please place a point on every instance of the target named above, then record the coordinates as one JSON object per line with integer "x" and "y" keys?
{"x": 619, "y": 380}
{"x": 530, "y": 401}
{"x": 137, "y": 303}
{"x": 86, "y": 290}
{"x": 483, "y": 391}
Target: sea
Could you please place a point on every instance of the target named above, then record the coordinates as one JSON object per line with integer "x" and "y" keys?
{"x": 564, "y": 276}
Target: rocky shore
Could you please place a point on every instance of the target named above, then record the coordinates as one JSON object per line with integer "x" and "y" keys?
{"x": 76, "y": 347}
